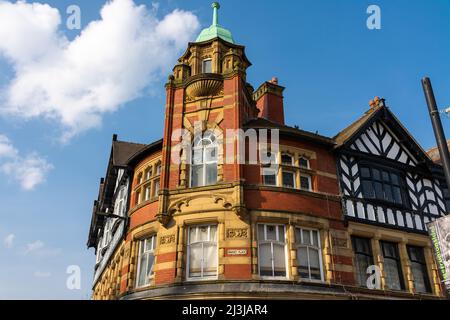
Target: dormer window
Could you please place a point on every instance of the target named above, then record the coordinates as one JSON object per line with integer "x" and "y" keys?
{"x": 207, "y": 66}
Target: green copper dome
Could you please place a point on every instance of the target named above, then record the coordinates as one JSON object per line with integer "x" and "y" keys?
{"x": 215, "y": 30}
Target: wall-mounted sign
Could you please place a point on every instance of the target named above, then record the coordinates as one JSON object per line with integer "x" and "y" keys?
{"x": 237, "y": 252}
{"x": 439, "y": 231}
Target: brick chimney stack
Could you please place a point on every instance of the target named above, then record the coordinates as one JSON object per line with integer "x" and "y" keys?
{"x": 269, "y": 101}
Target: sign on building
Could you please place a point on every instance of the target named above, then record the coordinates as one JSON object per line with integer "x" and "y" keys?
{"x": 439, "y": 231}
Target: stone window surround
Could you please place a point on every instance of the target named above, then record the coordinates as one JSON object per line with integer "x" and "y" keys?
{"x": 375, "y": 236}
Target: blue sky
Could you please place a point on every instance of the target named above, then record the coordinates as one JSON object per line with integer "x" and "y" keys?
{"x": 321, "y": 51}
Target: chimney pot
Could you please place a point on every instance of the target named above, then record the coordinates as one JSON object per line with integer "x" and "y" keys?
{"x": 274, "y": 80}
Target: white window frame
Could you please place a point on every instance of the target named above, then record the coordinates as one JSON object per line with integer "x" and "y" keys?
{"x": 188, "y": 251}
{"x": 271, "y": 246}
{"x": 307, "y": 162}
{"x": 309, "y": 179}
{"x": 204, "y": 164}
{"x": 152, "y": 251}
{"x": 275, "y": 171}
{"x": 203, "y": 65}
{"x": 156, "y": 190}
{"x": 148, "y": 191}
{"x": 289, "y": 155}
{"x": 294, "y": 174}
{"x": 319, "y": 248}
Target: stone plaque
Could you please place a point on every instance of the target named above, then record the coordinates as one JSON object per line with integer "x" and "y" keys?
{"x": 168, "y": 239}
{"x": 237, "y": 233}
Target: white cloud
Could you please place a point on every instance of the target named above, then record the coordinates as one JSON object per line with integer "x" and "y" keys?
{"x": 111, "y": 62}
{"x": 34, "y": 246}
{"x": 38, "y": 248}
{"x": 9, "y": 241}
{"x": 29, "y": 170}
{"x": 40, "y": 274}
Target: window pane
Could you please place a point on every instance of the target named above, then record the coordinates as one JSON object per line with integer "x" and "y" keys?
{"x": 207, "y": 66}
{"x": 195, "y": 260}
{"x": 271, "y": 232}
{"x": 156, "y": 188}
{"x": 304, "y": 163}
{"x": 261, "y": 232}
{"x": 421, "y": 283}
{"x": 397, "y": 195}
{"x": 305, "y": 183}
{"x": 315, "y": 238}
{"x": 394, "y": 178}
{"x": 368, "y": 191}
{"x": 288, "y": 179}
{"x": 362, "y": 262}
{"x": 281, "y": 234}
{"x": 376, "y": 174}
{"x": 150, "y": 263}
{"x": 306, "y": 237}
{"x": 202, "y": 233}
{"x": 142, "y": 277}
{"x": 193, "y": 235}
{"x": 385, "y": 176}
{"x": 211, "y": 174}
{"x": 265, "y": 259}
{"x": 286, "y": 159}
{"x": 210, "y": 259}
{"x": 213, "y": 233}
{"x": 388, "y": 193}
{"x": 269, "y": 177}
{"x": 279, "y": 260}
{"x": 365, "y": 172}
{"x": 379, "y": 191}
{"x": 302, "y": 261}
{"x": 197, "y": 176}
{"x": 392, "y": 271}
{"x": 197, "y": 157}
{"x": 314, "y": 262}
{"x": 210, "y": 154}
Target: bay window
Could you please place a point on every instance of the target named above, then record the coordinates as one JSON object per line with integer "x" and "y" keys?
{"x": 146, "y": 261}
{"x": 309, "y": 255}
{"x": 202, "y": 254}
{"x": 272, "y": 250}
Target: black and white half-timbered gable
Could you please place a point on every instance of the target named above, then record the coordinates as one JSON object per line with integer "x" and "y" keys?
{"x": 109, "y": 216}
{"x": 386, "y": 178}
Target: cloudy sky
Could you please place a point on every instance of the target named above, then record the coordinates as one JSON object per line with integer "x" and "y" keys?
{"x": 63, "y": 93}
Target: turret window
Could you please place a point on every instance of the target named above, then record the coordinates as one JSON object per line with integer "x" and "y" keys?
{"x": 207, "y": 66}
{"x": 204, "y": 161}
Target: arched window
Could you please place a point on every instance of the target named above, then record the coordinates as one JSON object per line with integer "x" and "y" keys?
{"x": 204, "y": 160}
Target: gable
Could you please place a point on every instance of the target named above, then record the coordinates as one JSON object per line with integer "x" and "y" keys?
{"x": 377, "y": 139}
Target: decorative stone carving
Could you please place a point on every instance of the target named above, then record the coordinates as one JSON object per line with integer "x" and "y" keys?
{"x": 237, "y": 233}
{"x": 167, "y": 239}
